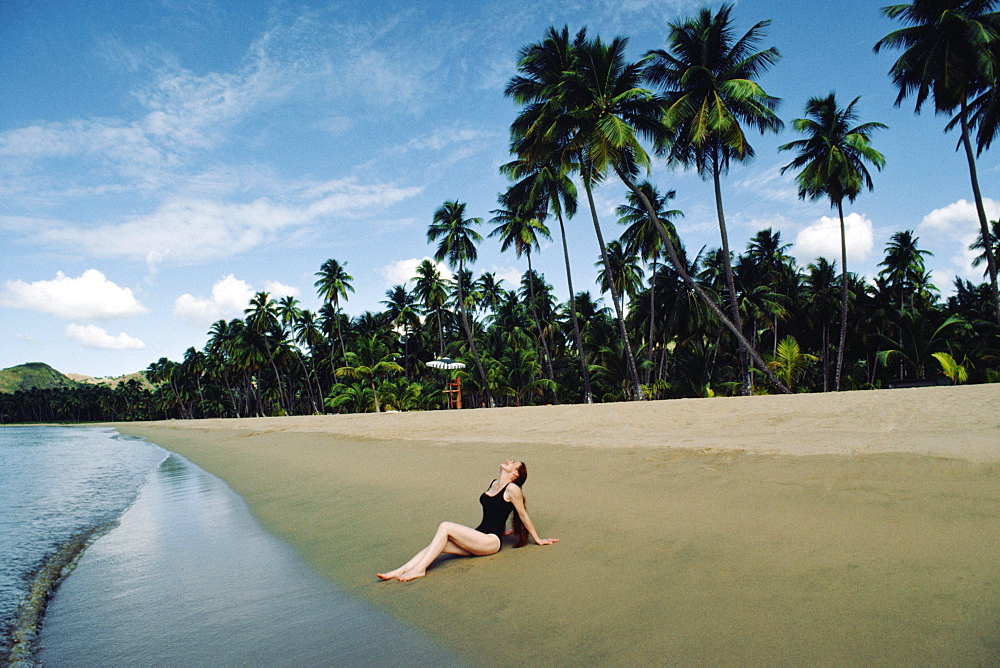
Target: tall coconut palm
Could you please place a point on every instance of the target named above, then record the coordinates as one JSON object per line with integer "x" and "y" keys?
{"x": 587, "y": 110}
{"x": 546, "y": 181}
{"x": 544, "y": 163}
{"x": 708, "y": 79}
{"x": 332, "y": 285}
{"x": 520, "y": 226}
{"x": 832, "y": 158}
{"x": 821, "y": 302}
{"x": 263, "y": 322}
{"x": 946, "y": 55}
{"x": 457, "y": 245}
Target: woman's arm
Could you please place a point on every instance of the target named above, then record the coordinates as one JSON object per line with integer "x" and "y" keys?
{"x": 516, "y": 497}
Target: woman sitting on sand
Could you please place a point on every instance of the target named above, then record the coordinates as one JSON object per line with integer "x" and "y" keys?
{"x": 499, "y": 499}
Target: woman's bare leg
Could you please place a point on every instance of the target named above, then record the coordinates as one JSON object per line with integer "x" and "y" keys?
{"x": 450, "y": 538}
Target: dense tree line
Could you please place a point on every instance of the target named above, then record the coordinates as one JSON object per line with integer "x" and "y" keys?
{"x": 669, "y": 321}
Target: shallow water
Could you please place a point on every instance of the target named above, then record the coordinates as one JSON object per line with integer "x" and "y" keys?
{"x": 190, "y": 577}
{"x": 60, "y": 488}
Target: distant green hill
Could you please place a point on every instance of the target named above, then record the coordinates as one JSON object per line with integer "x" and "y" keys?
{"x": 32, "y": 375}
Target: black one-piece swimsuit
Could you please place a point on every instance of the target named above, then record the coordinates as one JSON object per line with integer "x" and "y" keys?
{"x": 495, "y": 513}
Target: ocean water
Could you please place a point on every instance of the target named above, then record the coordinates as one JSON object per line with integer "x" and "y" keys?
{"x": 168, "y": 568}
{"x": 60, "y": 489}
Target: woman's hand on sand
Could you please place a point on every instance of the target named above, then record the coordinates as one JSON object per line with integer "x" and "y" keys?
{"x": 546, "y": 541}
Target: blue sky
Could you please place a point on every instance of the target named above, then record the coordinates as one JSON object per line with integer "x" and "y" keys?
{"x": 161, "y": 161}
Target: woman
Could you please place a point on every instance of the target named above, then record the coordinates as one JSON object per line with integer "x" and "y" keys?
{"x": 500, "y": 498}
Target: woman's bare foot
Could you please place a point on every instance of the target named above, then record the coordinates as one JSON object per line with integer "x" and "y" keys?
{"x": 390, "y": 575}
{"x": 411, "y": 575}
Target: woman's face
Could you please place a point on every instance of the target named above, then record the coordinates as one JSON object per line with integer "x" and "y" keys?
{"x": 511, "y": 466}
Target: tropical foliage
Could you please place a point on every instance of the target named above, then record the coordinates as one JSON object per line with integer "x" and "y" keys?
{"x": 661, "y": 322}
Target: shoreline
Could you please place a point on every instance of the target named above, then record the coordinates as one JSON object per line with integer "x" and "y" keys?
{"x": 853, "y": 527}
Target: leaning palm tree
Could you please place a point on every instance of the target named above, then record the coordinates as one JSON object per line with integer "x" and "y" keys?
{"x": 708, "y": 79}
{"x": 458, "y": 245}
{"x": 333, "y": 285}
{"x": 947, "y": 55}
{"x": 832, "y": 159}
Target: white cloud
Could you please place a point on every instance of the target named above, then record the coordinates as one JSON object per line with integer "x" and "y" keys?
{"x": 401, "y": 271}
{"x": 91, "y": 296}
{"x": 443, "y": 137}
{"x": 771, "y": 184}
{"x": 951, "y": 230}
{"x": 511, "y": 276}
{"x": 190, "y": 230}
{"x": 230, "y": 296}
{"x": 93, "y": 336}
{"x": 958, "y": 216}
{"x": 278, "y": 290}
{"x": 822, "y": 239}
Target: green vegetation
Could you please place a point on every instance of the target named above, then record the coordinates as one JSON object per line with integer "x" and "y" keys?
{"x": 677, "y": 324}
{"x": 33, "y": 375}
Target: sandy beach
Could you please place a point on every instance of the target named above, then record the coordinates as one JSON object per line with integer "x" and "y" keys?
{"x": 825, "y": 529}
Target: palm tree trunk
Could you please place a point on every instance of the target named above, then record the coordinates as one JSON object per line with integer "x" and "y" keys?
{"x": 637, "y": 394}
{"x": 472, "y": 341}
{"x": 440, "y": 331}
{"x": 690, "y": 282}
{"x": 588, "y": 396}
{"x": 843, "y": 295}
{"x": 991, "y": 261}
{"x": 652, "y": 308}
{"x": 734, "y": 307}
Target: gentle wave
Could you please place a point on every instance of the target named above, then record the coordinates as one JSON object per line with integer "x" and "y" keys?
{"x": 61, "y": 488}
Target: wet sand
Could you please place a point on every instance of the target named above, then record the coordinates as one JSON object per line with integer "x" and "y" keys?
{"x": 853, "y": 528}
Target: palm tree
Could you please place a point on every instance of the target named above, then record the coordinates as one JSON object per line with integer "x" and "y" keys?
{"x": 458, "y": 246}
{"x": 547, "y": 182}
{"x": 708, "y": 80}
{"x": 264, "y": 324}
{"x": 542, "y": 67}
{"x": 370, "y": 362}
{"x": 980, "y": 245}
{"x": 308, "y": 333}
{"x": 581, "y": 110}
{"x": 984, "y": 110}
{"x": 905, "y": 272}
{"x": 402, "y": 309}
{"x": 789, "y": 362}
{"x": 832, "y": 159}
{"x": 625, "y": 275}
{"x": 519, "y": 226}
{"x": 821, "y": 302}
{"x": 946, "y": 55}
{"x": 432, "y": 292}
{"x": 333, "y": 285}
{"x": 642, "y": 238}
